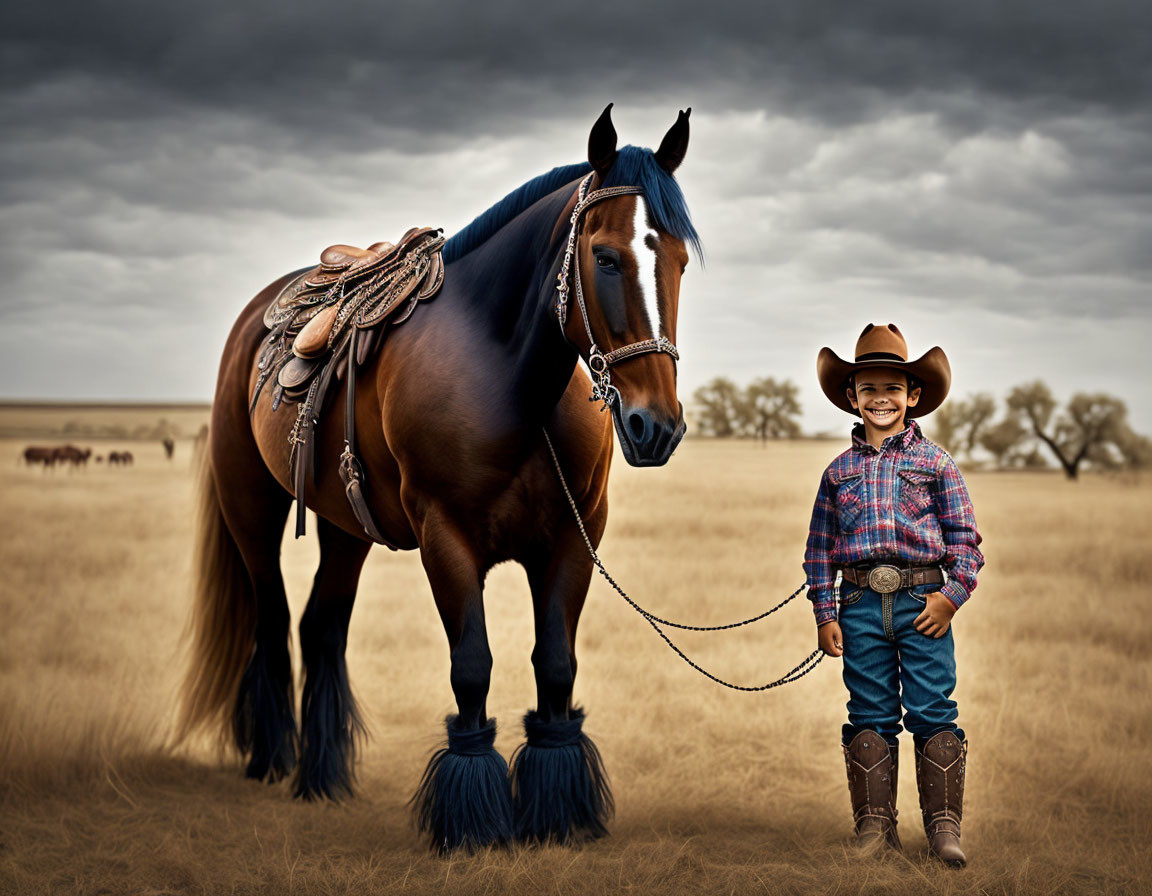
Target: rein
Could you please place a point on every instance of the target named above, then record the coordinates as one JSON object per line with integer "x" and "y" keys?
{"x": 803, "y": 668}
{"x": 599, "y": 361}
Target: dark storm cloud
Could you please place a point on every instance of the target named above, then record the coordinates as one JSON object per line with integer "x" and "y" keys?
{"x": 446, "y": 67}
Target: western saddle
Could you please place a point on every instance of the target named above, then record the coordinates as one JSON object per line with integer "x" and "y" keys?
{"x": 327, "y": 322}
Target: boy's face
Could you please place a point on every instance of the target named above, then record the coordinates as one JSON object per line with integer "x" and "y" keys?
{"x": 882, "y": 397}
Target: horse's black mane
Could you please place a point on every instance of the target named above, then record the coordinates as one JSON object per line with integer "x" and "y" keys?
{"x": 634, "y": 166}
{"x": 481, "y": 229}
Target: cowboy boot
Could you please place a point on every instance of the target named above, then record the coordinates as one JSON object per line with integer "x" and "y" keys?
{"x": 940, "y": 777}
{"x": 872, "y": 765}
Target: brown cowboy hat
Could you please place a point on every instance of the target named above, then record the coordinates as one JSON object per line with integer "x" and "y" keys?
{"x": 884, "y": 346}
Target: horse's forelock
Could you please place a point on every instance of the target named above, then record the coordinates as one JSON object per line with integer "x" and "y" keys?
{"x": 637, "y": 166}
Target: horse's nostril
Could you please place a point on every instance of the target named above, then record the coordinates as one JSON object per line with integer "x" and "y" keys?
{"x": 636, "y": 426}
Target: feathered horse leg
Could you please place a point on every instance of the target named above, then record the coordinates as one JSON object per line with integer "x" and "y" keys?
{"x": 463, "y": 799}
{"x": 560, "y": 790}
{"x": 330, "y": 723}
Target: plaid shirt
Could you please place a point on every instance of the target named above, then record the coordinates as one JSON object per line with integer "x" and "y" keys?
{"x": 905, "y": 503}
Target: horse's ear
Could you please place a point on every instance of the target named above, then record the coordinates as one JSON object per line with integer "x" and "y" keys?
{"x": 674, "y": 146}
{"x": 602, "y": 143}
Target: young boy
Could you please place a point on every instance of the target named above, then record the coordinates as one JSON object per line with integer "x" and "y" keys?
{"x": 893, "y": 516}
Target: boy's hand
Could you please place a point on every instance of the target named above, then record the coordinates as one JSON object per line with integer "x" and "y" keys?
{"x": 936, "y": 616}
{"x": 830, "y": 639}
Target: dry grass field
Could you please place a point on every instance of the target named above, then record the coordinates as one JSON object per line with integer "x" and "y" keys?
{"x": 717, "y": 792}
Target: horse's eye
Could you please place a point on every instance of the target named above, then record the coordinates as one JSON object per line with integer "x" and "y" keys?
{"x": 605, "y": 261}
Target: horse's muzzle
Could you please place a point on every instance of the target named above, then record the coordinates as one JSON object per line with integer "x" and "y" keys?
{"x": 645, "y": 438}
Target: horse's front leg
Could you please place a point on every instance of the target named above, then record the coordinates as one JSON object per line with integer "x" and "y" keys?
{"x": 463, "y": 799}
{"x": 560, "y": 790}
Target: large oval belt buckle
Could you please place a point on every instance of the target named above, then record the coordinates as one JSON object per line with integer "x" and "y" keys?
{"x": 884, "y": 579}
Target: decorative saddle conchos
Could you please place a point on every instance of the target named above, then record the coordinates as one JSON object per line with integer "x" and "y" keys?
{"x": 329, "y": 320}
{"x": 351, "y": 287}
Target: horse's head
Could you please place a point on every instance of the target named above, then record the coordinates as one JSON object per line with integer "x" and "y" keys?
{"x": 628, "y": 254}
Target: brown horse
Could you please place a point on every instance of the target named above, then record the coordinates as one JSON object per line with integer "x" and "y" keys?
{"x": 451, "y": 416}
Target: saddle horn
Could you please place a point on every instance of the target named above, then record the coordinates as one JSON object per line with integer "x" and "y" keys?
{"x": 674, "y": 146}
{"x": 602, "y": 143}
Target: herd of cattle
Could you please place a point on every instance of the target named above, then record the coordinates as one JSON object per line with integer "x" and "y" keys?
{"x": 69, "y": 455}
{"x": 52, "y": 456}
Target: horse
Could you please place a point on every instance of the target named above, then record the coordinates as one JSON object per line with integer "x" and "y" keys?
{"x": 456, "y": 413}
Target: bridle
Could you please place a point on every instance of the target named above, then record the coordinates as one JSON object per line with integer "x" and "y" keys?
{"x": 599, "y": 362}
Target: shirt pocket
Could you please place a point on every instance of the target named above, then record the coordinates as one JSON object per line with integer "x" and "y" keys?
{"x": 916, "y": 489}
{"x": 849, "y": 502}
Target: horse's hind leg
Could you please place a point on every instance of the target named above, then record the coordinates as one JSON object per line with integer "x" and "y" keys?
{"x": 560, "y": 791}
{"x": 330, "y": 723}
{"x": 463, "y": 799}
{"x": 255, "y": 507}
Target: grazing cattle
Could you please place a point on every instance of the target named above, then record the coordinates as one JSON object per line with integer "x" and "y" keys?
{"x": 70, "y": 454}
{"x": 39, "y": 454}
{"x": 49, "y": 457}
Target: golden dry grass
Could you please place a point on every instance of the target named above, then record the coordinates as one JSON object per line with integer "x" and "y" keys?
{"x": 718, "y": 792}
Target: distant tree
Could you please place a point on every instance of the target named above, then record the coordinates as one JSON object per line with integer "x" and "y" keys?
{"x": 1003, "y": 440}
{"x": 1093, "y": 428}
{"x": 718, "y": 408}
{"x": 771, "y": 408}
{"x": 946, "y": 424}
{"x": 958, "y": 425}
{"x": 1135, "y": 449}
{"x": 976, "y": 413}
{"x": 1034, "y": 460}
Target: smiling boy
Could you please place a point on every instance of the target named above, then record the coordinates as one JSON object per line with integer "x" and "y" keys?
{"x": 893, "y": 516}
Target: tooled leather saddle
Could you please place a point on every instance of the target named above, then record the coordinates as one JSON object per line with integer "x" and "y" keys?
{"x": 327, "y": 322}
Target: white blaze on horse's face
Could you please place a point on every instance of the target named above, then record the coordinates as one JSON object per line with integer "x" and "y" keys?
{"x": 644, "y": 241}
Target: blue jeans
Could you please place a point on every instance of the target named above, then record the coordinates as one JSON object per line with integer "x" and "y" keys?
{"x": 887, "y": 662}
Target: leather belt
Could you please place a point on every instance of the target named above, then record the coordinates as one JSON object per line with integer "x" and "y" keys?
{"x": 884, "y": 578}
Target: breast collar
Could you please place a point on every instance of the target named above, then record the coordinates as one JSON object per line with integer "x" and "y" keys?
{"x": 599, "y": 361}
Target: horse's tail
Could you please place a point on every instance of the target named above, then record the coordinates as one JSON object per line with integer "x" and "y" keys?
{"x": 222, "y": 625}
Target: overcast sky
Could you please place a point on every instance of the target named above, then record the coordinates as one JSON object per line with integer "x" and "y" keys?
{"x": 979, "y": 173}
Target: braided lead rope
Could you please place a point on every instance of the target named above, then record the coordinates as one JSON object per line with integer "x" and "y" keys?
{"x": 799, "y": 671}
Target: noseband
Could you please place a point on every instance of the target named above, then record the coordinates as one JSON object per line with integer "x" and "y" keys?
{"x": 599, "y": 361}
